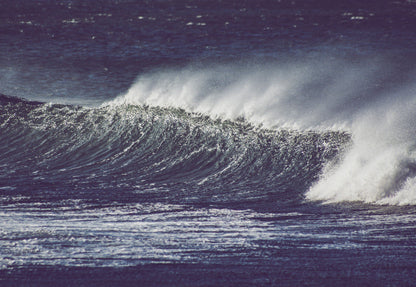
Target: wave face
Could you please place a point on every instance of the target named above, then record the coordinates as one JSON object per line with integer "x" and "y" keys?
{"x": 136, "y": 153}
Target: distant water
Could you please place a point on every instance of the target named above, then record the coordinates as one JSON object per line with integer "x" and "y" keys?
{"x": 207, "y": 143}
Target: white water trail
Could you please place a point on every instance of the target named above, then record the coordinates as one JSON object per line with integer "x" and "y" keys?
{"x": 373, "y": 99}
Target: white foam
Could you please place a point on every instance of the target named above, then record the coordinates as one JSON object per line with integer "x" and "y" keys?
{"x": 380, "y": 167}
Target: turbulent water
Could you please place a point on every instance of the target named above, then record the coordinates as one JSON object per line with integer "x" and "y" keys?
{"x": 207, "y": 143}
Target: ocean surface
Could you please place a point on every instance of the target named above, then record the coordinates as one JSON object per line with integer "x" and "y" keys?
{"x": 207, "y": 143}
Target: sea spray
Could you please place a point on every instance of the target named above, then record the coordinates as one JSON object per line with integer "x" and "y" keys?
{"x": 380, "y": 167}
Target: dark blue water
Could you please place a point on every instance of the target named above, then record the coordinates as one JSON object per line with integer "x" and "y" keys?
{"x": 207, "y": 143}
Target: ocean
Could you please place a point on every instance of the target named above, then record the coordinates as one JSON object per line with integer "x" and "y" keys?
{"x": 207, "y": 143}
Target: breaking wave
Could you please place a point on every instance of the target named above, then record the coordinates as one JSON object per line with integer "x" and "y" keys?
{"x": 156, "y": 153}
{"x": 323, "y": 130}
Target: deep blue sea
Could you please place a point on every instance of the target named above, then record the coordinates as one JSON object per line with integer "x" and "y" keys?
{"x": 207, "y": 143}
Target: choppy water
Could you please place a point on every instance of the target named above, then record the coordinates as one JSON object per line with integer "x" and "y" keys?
{"x": 194, "y": 143}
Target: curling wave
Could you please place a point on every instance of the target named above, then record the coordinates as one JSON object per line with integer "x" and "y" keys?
{"x": 325, "y": 130}
{"x": 180, "y": 155}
